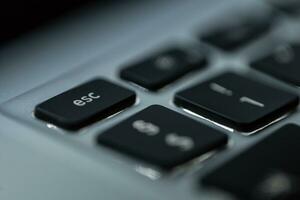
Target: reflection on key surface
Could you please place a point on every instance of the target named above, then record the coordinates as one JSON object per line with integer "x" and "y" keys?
{"x": 237, "y": 102}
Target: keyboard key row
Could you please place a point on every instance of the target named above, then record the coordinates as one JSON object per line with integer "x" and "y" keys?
{"x": 164, "y": 137}
{"x": 229, "y": 99}
{"x": 162, "y": 68}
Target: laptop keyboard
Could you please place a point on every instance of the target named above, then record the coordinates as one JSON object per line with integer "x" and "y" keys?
{"x": 167, "y": 139}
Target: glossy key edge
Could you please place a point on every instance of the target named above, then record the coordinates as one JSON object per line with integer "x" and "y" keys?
{"x": 243, "y": 127}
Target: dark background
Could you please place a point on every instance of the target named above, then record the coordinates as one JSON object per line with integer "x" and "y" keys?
{"x": 20, "y": 16}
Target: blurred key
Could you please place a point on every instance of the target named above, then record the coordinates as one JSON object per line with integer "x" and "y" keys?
{"x": 158, "y": 70}
{"x": 269, "y": 170}
{"x": 283, "y": 63}
{"x": 288, "y": 6}
{"x": 233, "y": 35}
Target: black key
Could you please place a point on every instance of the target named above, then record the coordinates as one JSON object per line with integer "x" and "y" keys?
{"x": 163, "y": 68}
{"x": 162, "y": 137}
{"x": 283, "y": 63}
{"x": 269, "y": 170}
{"x": 237, "y": 102}
{"x": 288, "y": 6}
{"x": 231, "y": 36}
{"x": 85, "y": 104}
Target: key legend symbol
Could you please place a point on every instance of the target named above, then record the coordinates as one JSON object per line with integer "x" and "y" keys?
{"x": 162, "y": 137}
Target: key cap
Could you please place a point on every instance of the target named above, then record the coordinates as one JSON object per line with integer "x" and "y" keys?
{"x": 288, "y": 6}
{"x": 269, "y": 170}
{"x": 85, "y": 104}
{"x": 237, "y": 102}
{"x": 163, "y": 68}
{"x": 283, "y": 64}
{"x": 231, "y": 36}
{"x": 162, "y": 137}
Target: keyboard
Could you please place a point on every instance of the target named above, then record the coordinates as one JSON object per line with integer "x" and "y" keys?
{"x": 172, "y": 110}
